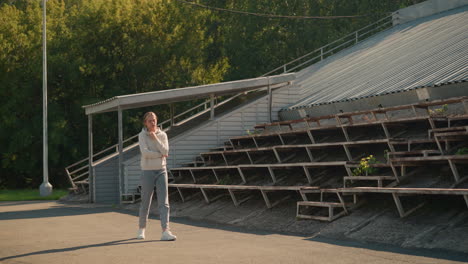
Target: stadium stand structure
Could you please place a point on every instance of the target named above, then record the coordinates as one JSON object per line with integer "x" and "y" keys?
{"x": 400, "y": 95}
{"x": 320, "y": 160}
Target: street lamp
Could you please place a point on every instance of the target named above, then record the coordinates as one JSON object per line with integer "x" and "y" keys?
{"x": 46, "y": 188}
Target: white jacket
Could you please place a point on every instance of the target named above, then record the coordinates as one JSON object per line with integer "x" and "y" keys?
{"x": 153, "y": 151}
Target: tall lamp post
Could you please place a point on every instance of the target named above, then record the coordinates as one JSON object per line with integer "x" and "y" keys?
{"x": 46, "y": 188}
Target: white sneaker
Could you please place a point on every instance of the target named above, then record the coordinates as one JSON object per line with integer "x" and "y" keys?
{"x": 168, "y": 236}
{"x": 141, "y": 233}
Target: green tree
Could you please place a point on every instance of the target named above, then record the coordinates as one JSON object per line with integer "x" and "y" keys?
{"x": 98, "y": 49}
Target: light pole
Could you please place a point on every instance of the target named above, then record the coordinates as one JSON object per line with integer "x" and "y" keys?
{"x": 46, "y": 188}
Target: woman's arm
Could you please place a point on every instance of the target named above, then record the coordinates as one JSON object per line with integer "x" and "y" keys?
{"x": 162, "y": 144}
{"x": 145, "y": 152}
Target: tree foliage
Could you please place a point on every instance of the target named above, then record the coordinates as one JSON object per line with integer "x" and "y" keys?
{"x": 98, "y": 49}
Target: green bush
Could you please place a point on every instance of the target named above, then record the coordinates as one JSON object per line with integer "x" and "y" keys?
{"x": 365, "y": 166}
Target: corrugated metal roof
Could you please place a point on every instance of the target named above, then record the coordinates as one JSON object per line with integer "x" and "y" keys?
{"x": 424, "y": 52}
{"x": 186, "y": 94}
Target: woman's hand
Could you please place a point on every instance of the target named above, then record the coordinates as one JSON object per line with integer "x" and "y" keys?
{"x": 153, "y": 135}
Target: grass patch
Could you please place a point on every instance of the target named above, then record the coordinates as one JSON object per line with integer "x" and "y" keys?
{"x": 29, "y": 194}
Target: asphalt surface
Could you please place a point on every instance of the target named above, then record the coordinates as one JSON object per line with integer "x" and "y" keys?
{"x": 51, "y": 232}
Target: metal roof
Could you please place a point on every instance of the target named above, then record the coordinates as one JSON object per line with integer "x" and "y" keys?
{"x": 424, "y": 52}
{"x": 186, "y": 94}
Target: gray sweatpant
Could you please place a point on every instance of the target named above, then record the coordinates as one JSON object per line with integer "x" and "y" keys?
{"x": 150, "y": 178}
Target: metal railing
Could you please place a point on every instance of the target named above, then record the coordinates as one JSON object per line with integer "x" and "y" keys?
{"x": 333, "y": 47}
{"x": 78, "y": 172}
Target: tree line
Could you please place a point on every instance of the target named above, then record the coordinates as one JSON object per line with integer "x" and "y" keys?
{"x": 98, "y": 49}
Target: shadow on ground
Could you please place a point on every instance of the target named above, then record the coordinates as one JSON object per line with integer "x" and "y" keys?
{"x": 430, "y": 253}
{"x": 105, "y": 244}
{"x": 56, "y": 211}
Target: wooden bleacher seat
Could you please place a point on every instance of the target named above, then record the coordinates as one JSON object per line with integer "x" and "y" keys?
{"x": 233, "y": 188}
{"x": 291, "y": 144}
{"x": 396, "y": 192}
{"x": 379, "y": 179}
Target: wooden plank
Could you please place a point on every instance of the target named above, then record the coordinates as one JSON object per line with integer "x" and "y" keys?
{"x": 313, "y": 217}
{"x": 369, "y": 177}
{"x": 245, "y": 187}
{"x": 441, "y": 191}
{"x": 432, "y": 158}
{"x": 451, "y": 134}
{"x": 319, "y": 204}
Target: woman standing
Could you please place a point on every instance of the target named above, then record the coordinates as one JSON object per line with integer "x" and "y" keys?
{"x": 154, "y": 149}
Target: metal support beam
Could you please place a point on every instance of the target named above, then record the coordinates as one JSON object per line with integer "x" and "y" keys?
{"x": 309, "y": 153}
{"x": 250, "y": 158}
{"x": 193, "y": 176}
{"x": 216, "y": 176}
{"x": 281, "y": 139}
{"x": 390, "y": 146}
{"x": 454, "y": 169}
{"x": 348, "y": 153}
{"x": 172, "y": 114}
{"x": 255, "y": 142}
{"x": 241, "y": 174}
{"x": 236, "y": 201}
{"x": 92, "y": 193}
{"x": 385, "y": 129}
{"x": 212, "y": 112}
{"x": 270, "y": 101}
{"x": 272, "y": 174}
{"x": 225, "y": 159}
{"x": 308, "y": 176}
{"x": 395, "y": 172}
{"x": 311, "y": 137}
{"x": 278, "y": 158}
{"x": 120, "y": 125}
{"x": 400, "y": 208}
{"x": 465, "y": 105}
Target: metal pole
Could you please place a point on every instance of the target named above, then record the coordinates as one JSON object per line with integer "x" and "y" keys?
{"x": 270, "y": 100}
{"x": 212, "y": 113}
{"x": 46, "y": 188}
{"x": 120, "y": 153}
{"x": 92, "y": 194}
{"x": 172, "y": 115}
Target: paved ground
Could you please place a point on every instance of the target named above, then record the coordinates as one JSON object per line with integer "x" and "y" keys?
{"x": 50, "y": 232}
